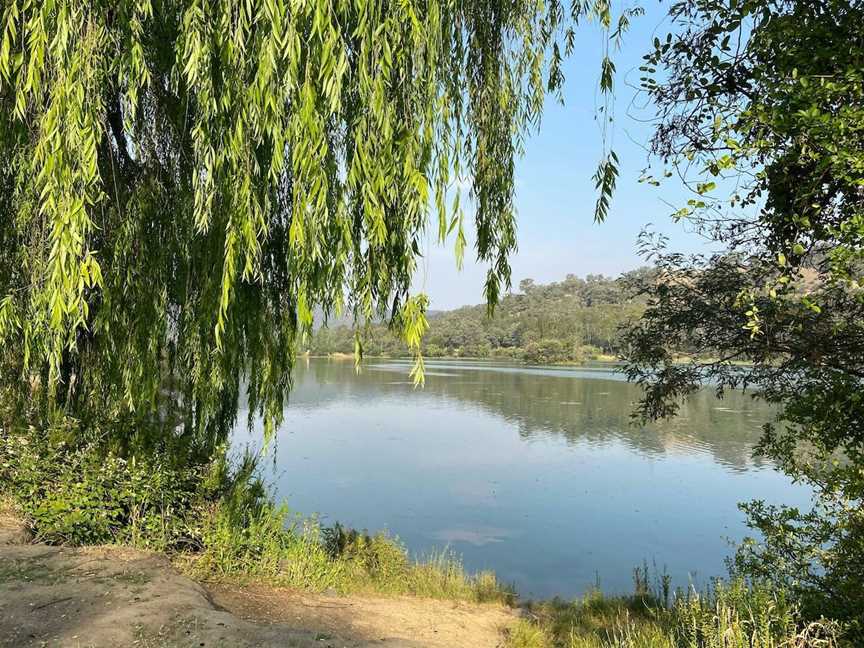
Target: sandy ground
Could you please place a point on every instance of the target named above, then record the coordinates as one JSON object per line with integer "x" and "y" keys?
{"x": 371, "y": 621}
{"x": 110, "y": 596}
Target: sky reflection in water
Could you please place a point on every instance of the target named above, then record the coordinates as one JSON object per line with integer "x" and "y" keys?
{"x": 534, "y": 472}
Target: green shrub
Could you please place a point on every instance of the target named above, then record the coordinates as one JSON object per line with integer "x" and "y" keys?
{"x": 550, "y": 351}
{"x": 83, "y": 495}
{"x": 434, "y": 351}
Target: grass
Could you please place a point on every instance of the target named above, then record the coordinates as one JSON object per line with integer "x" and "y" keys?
{"x": 728, "y": 615}
{"x": 245, "y": 536}
{"x": 275, "y": 549}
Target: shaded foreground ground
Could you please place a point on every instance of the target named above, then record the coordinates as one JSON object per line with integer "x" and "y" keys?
{"x": 111, "y": 596}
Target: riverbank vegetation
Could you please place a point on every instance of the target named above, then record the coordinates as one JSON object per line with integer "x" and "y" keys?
{"x": 215, "y": 519}
{"x": 217, "y": 524}
{"x": 728, "y": 615}
{"x": 562, "y": 322}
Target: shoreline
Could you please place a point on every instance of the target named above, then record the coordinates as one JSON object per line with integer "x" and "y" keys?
{"x": 338, "y": 355}
{"x": 114, "y": 595}
{"x": 107, "y": 596}
{"x": 602, "y": 359}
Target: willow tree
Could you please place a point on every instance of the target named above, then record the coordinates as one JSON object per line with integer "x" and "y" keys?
{"x": 185, "y": 182}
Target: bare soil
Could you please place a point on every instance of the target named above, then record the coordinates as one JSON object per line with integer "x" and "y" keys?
{"x": 371, "y": 621}
{"x": 112, "y": 596}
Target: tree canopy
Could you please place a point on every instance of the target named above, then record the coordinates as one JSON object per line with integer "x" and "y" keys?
{"x": 566, "y": 321}
{"x": 762, "y": 112}
{"x": 186, "y": 181}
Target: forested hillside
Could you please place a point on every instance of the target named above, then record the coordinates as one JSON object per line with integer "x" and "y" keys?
{"x": 568, "y": 321}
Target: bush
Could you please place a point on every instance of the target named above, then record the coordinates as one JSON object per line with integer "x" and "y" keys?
{"x": 549, "y": 351}
{"x": 434, "y": 351}
{"x": 81, "y": 495}
{"x": 591, "y": 352}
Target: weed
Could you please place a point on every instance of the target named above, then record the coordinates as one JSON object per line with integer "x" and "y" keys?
{"x": 728, "y": 615}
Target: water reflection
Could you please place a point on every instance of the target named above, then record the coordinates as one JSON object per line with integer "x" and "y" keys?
{"x": 537, "y": 473}
{"x": 591, "y": 405}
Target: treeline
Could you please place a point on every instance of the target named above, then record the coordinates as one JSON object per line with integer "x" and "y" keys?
{"x": 569, "y": 321}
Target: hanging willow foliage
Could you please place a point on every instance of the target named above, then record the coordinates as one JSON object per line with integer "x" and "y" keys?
{"x": 185, "y": 182}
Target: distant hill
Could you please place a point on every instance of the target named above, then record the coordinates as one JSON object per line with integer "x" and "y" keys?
{"x": 567, "y": 321}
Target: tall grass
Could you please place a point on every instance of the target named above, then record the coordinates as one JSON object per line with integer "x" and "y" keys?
{"x": 270, "y": 546}
{"x": 728, "y": 615}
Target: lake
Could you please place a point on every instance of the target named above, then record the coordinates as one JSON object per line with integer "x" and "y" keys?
{"x": 536, "y": 473}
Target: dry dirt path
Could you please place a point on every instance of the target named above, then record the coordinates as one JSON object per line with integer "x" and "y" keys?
{"x": 110, "y": 596}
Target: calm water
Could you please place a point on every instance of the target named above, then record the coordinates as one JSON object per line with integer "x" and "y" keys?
{"x": 533, "y": 472}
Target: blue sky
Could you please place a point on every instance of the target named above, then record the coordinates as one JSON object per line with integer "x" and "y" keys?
{"x": 555, "y": 193}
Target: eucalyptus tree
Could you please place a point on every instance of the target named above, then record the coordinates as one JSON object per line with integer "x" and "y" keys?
{"x": 186, "y": 181}
{"x": 761, "y": 107}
